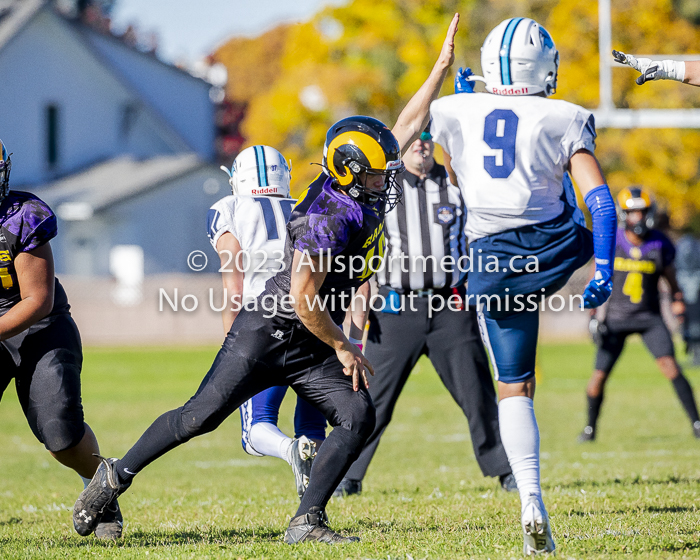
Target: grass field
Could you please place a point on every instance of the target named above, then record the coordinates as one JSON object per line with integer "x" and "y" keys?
{"x": 633, "y": 493}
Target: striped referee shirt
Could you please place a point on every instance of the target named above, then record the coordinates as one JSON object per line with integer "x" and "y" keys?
{"x": 426, "y": 227}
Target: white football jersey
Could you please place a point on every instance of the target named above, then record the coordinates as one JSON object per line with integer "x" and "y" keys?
{"x": 259, "y": 223}
{"x": 510, "y": 154}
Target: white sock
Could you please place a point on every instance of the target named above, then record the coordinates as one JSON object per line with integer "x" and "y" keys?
{"x": 521, "y": 440}
{"x": 267, "y": 439}
{"x": 86, "y": 481}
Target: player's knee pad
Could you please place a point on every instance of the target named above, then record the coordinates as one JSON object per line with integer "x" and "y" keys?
{"x": 58, "y": 424}
{"x": 360, "y": 417}
{"x": 190, "y": 422}
{"x": 59, "y": 434}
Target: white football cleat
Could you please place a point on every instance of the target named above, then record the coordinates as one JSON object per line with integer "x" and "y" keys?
{"x": 302, "y": 452}
{"x": 537, "y": 533}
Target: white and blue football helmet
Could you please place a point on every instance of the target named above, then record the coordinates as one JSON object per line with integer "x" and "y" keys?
{"x": 5, "y": 167}
{"x": 260, "y": 170}
{"x": 519, "y": 58}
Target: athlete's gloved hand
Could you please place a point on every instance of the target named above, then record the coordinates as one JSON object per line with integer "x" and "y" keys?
{"x": 652, "y": 69}
{"x": 598, "y": 290}
{"x": 462, "y": 83}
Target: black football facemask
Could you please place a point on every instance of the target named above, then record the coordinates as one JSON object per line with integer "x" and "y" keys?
{"x": 642, "y": 227}
{"x": 391, "y": 193}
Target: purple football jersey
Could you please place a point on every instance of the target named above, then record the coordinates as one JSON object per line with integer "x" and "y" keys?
{"x": 635, "y": 294}
{"x": 331, "y": 224}
{"x": 26, "y": 222}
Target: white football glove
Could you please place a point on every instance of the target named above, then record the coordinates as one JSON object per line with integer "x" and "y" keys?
{"x": 652, "y": 69}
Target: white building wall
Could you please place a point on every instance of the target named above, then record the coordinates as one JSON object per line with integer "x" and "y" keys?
{"x": 180, "y": 98}
{"x": 48, "y": 62}
{"x": 168, "y": 223}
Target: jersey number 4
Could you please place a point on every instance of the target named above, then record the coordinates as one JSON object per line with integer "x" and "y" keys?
{"x": 500, "y": 128}
{"x": 634, "y": 286}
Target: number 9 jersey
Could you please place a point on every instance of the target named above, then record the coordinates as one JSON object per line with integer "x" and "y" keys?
{"x": 510, "y": 154}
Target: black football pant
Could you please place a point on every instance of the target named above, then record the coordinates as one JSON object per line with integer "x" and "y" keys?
{"x": 452, "y": 342}
{"x": 259, "y": 353}
{"x": 45, "y": 361}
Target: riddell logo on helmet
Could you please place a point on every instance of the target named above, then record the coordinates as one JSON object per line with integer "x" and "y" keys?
{"x": 510, "y": 91}
{"x": 268, "y": 190}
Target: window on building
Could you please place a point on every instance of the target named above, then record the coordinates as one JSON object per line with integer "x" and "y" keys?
{"x": 129, "y": 114}
{"x": 52, "y": 135}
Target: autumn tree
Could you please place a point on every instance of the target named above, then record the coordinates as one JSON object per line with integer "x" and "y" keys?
{"x": 663, "y": 160}
{"x": 370, "y": 56}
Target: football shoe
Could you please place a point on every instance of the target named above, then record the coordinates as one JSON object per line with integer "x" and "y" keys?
{"x": 313, "y": 526}
{"x": 537, "y": 534}
{"x": 111, "y": 525}
{"x": 348, "y": 487}
{"x": 508, "y": 482}
{"x": 588, "y": 434}
{"x": 302, "y": 451}
{"x": 103, "y": 489}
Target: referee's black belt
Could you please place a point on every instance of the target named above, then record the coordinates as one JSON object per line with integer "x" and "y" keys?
{"x": 444, "y": 292}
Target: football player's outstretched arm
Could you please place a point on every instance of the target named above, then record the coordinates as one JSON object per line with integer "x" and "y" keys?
{"x": 588, "y": 176}
{"x": 228, "y": 248}
{"x": 678, "y": 70}
{"x": 307, "y": 279}
{"x": 36, "y": 285}
{"x": 414, "y": 117}
{"x": 692, "y": 73}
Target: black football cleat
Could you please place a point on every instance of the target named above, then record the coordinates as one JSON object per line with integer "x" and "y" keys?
{"x": 313, "y": 526}
{"x": 588, "y": 434}
{"x": 92, "y": 504}
{"x": 348, "y": 487}
{"x": 111, "y": 525}
{"x": 508, "y": 482}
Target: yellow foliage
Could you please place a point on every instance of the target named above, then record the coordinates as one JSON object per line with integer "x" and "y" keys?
{"x": 252, "y": 64}
{"x": 370, "y": 56}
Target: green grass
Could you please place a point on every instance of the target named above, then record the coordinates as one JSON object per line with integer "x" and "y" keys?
{"x": 634, "y": 493}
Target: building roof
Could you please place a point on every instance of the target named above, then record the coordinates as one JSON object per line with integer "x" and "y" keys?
{"x": 101, "y": 186}
{"x": 14, "y": 15}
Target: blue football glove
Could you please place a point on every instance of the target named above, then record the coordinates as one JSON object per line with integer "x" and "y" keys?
{"x": 598, "y": 290}
{"x": 462, "y": 84}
